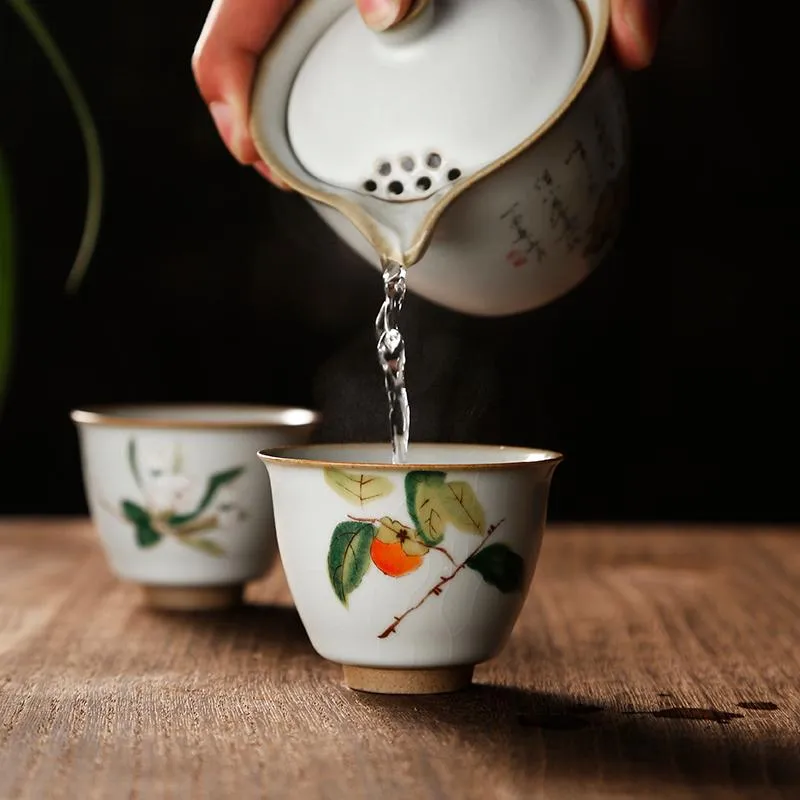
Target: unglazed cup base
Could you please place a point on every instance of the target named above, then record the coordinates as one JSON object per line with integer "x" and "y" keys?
{"x": 193, "y": 598}
{"x": 408, "y": 681}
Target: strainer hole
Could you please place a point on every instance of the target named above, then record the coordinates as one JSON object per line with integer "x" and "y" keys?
{"x": 454, "y": 174}
{"x": 434, "y": 160}
{"x": 385, "y": 168}
{"x": 407, "y": 163}
{"x": 370, "y": 186}
{"x": 423, "y": 184}
{"x": 395, "y": 187}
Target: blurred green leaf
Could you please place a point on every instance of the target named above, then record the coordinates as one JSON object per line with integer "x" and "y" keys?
{"x": 91, "y": 140}
{"x": 132, "y": 463}
{"x": 6, "y": 276}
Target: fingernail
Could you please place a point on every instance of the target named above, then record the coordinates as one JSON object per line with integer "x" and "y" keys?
{"x": 379, "y": 14}
{"x": 265, "y": 172}
{"x": 221, "y": 114}
{"x": 642, "y": 18}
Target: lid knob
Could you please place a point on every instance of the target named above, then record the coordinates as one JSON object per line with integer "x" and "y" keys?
{"x": 413, "y": 25}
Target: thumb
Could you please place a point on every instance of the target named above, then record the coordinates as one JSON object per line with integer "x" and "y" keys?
{"x": 382, "y": 14}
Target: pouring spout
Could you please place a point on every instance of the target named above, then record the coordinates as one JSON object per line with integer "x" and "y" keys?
{"x": 399, "y": 232}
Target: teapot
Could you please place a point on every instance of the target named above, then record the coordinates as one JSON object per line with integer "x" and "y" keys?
{"x": 481, "y": 145}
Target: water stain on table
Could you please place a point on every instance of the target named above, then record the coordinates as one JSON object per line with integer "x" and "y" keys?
{"x": 575, "y": 717}
{"x": 758, "y": 705}
{"x": 700, "y": 714}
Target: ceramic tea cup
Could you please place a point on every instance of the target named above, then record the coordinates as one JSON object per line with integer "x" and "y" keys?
{"x": 409, "y": 576}
{"x": 179, "y": 500}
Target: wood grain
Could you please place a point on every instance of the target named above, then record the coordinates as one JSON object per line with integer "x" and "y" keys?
{"x": 626, "y": 631}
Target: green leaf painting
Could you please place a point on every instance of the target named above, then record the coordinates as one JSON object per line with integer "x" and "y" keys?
{"x": 153, "y": 525}
{"x": 215, "y": 483}
{"x": 500, "y": 567}
{"x": 433, "y": 503}
{"x": 132, "y": 464}
{"x": 461, "y": 507}
{"x": 349, "y": 556}
{"x": 142, "y": 522}
{"x": 146, "y": 536}
{"x": 208, "y": 546}
{"x": 135, "y": 513}
{"x": 398, "y": 548}
{"x": 424, "y": 491}
{"x": 357, "y": 488}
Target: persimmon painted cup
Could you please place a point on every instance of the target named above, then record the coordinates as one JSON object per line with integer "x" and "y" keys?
{"x": 179, "y": 500}
{"x": 409, "y": 576}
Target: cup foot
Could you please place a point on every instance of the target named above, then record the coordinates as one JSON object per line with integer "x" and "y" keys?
{"x": 193, "y": 598}
{"x": 408, "y": 681}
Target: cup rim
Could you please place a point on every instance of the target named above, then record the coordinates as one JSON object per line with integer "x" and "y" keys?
{"x": 280, "y": 456}
{"x": 168, "y": 415}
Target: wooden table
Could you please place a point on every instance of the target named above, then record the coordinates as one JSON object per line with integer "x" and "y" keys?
{"x": 649, "y": 662}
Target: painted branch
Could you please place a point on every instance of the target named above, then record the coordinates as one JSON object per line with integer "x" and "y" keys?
{"x": 437, "y": 589}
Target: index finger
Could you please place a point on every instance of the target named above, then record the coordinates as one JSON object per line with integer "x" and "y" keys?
{"x": 224, "y": 59}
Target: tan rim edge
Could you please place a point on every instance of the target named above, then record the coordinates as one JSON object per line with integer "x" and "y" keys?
{"x": 109, "y": 416}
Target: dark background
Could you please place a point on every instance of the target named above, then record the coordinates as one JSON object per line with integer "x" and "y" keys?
{"x": 667, "y": 379}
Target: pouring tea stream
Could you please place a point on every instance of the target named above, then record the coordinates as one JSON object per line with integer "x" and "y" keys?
{"x": 480, "y": 146}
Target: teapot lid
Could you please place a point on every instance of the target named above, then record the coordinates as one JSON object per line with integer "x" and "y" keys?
{"x": 400, "y": 114}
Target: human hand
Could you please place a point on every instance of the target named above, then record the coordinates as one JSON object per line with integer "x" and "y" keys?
{"x": 237, "y": 31}
{"x": 635, "y": 29}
